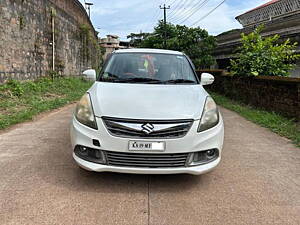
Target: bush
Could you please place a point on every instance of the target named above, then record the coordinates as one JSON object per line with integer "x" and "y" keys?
{"x": 215, "y": 72}
{"x": 264, "y": 56}
{"x": 15, "y": 88}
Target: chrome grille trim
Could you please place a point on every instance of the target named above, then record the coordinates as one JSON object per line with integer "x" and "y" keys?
{"x": 124, "y": 159}
{"x": 134, "y": 128}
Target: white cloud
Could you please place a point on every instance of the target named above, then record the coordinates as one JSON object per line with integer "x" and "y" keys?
{"x": 122, "y": 17}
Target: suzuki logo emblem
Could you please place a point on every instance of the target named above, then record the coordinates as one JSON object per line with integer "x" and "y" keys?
{"x": 147, "y": 128}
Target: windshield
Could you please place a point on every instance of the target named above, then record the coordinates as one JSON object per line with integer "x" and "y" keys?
{"x": 148, "y": 68}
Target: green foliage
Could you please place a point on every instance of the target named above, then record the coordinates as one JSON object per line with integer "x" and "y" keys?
{"x": 101, "y": 61}
{"x": 53, "y": 12}
{"x": 90, "y": 48}
{"x": 59, "y": 65}
{"x": 278, "y": 124}
{"x": 195, "y": 42}
{"x": 85, "y": 41}
{"x": 53, "y": 74}
{"x": 136, "y": 39}
{"x": 21, "y": 22}
{"x": 20, "y": 101}
{"x": 264, "y": 56}
{"x": 15, "y": 88}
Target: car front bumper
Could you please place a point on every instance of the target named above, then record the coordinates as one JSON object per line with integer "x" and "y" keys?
{"x": 192, "y": 142}
{"x": 194, "y": 170}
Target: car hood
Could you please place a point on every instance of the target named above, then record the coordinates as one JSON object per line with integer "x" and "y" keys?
{"x": 147, "y": 101}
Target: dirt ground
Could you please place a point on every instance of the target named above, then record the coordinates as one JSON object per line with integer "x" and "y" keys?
{"x": 257, "y": 182}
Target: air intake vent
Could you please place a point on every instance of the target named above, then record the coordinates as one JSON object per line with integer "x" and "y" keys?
{"x": 124, "y": 159}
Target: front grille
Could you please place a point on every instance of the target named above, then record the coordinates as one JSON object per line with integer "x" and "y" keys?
{"x": 146, "y": 160}
{"x": 147, "y": 129}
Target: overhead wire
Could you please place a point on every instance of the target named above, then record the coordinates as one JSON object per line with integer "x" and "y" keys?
{"x": 180, "y": 6}
{"x": 173, "y": 9}
{"x": 171, "y": 3}
{"x": 185, "y": 7}
{"x": 158, "y": 14}
{"x": 194, "y": 9}
{"x": 191, "y": 12}
{"x": 154, "y": 17}
{"x": 210, "y": 12}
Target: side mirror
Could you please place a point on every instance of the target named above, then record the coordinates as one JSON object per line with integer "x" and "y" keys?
{"x": 207, "y": 78}
{"x": 90, "y": 74}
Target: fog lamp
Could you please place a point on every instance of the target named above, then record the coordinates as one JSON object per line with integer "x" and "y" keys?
{"x": 90, "y": 154}
{"x": 210, "y": 153}
{"x": 83, "y": 151}
{"x": 203, "y": 157}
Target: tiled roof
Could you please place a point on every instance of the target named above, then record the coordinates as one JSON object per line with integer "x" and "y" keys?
{"x": 262, "y": 6}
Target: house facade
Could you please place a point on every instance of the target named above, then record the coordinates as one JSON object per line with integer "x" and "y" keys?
{"x": 279, "y": 17}
{"x": 112, "y": 43}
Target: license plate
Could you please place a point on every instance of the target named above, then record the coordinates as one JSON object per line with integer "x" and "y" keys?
{"x": 147, "y": 146}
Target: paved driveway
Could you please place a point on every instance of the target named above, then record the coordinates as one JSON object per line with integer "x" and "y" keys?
{"x": 258, "y": 182}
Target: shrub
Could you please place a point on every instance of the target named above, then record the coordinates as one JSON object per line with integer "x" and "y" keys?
{"x": 15, "y": 88}
{"x": 264, "y": 56}
{"x": 53, "y": 74}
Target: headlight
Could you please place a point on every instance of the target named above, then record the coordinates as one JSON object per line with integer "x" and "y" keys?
{"x": 210, "y": 115}
{"x": 84, "y": 112}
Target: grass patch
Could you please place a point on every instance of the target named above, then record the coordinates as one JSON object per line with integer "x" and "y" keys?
{"x": 275, "y": 122}
{"x": 21, "y": 101}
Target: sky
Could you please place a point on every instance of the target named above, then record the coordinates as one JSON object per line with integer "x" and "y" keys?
{"x": 122, "y": 17}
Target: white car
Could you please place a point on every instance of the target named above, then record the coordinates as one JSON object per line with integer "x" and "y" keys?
{"x": 147, "y": 113}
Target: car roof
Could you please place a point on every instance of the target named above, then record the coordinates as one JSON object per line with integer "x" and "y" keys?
{"x": 148, "y": 50}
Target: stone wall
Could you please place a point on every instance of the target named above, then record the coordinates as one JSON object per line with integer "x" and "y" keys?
{"x": 26, "y": 38}
{"x": 278, "y": 94}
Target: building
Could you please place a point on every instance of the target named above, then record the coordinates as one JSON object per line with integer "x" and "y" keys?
{"x": 279, "y": 16}
{"x": 269, "y": 12}
{"x": 112, "y": 43}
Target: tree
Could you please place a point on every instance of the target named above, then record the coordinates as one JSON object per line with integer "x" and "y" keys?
{"x": 136, "y": 39}
{"x": 195, "y": 42}
{"x": 264, "y": 56}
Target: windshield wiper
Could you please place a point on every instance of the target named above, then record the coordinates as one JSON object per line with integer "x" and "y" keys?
{"x": 110, "y": 78}
{"x": 141, "y": 79}
{"x": 180, "y": 81}
{"x": 116, "y": 79}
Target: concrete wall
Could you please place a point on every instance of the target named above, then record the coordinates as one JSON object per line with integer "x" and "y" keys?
{"x": 26, "y": 37}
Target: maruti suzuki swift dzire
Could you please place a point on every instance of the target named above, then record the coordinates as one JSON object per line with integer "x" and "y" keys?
{"x": 147, "y": 113}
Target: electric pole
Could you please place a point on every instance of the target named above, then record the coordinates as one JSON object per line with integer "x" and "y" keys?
{"x": 165, "y": 23}
{"x": 88, "y": 5}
